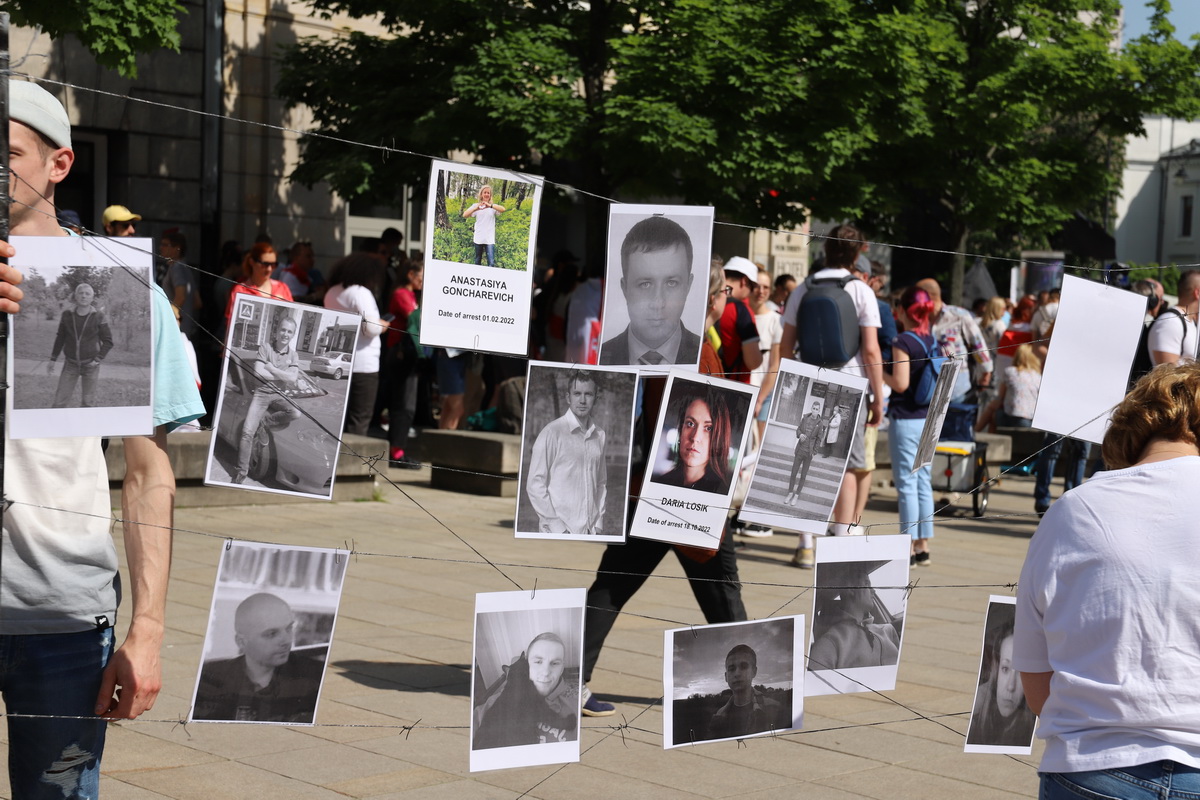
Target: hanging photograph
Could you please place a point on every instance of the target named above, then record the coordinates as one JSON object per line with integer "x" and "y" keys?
{"x": 656, "y": 281}
{"x": 283, "y": 395}
{"x": 858, "y": 614}
{"x": 81, "y": 361}
{"x": 525, "y": 705}
{"x": 936, "y": 416}
{"x": 814, "y": 416}
{"x": 479, "y": 239}
{"x": 733, "y": 681}
{"x": 269, "y": 632}
{"x": 688, "y": 488}
{"x": 1096, "y": 334}
{"x": 1001, "y": 720}
{"x": 575, "y": 455}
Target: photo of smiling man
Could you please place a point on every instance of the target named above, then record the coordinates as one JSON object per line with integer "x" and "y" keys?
{"x": 657, "y": 306}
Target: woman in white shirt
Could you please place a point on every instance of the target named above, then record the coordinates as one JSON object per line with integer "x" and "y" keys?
{"x": 353, "y": 282}
{"x": 1107, "y": 633}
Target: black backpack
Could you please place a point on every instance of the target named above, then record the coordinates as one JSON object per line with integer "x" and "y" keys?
{"x": 827, "y": 330}
{"x": 1142, "y": 362}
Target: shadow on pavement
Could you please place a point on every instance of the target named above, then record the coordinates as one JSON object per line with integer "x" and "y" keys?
{"x": 448, "y": 679}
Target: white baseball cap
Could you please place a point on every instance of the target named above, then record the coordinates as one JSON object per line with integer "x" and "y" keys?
{"x": 742, "y": 266}
{"x": 32, "y": 105}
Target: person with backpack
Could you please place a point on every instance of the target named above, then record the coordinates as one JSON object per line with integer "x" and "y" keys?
{"x": 1172, "y": 338}
{"x": 832, "y": 320}
{"x": 916, "y": 361}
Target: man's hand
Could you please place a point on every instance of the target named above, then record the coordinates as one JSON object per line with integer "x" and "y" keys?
{"x": 985, "y": 380}
{"x": 875, "y": 412}
{"x": 50, "y": 367}
{"x": 131, "y": 681}
{"x": 10, "y": 295}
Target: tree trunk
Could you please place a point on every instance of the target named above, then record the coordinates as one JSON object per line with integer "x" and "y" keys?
{"x": 440, "y": 218}
{"x": 958, "y": 266}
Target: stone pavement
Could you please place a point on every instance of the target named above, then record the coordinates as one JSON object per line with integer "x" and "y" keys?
{"x": 402, "y": 652}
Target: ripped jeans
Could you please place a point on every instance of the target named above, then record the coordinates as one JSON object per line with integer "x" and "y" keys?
{"x": 56, "y": 674}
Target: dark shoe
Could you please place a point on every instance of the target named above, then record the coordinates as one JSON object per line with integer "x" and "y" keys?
{"x": 912, "y": 560}
{"x": 922, "y": 559}
{"x": 595, "y": 707}
{"x": 1040, "y": 509}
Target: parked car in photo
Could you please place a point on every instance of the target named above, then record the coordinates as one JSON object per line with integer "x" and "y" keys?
{"x": 336, "y": 365}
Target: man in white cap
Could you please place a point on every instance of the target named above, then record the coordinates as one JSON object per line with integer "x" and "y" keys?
{"x": 58, "y": 599}
{"x": 120, "y": 221}
{"x": 739, "y": 334}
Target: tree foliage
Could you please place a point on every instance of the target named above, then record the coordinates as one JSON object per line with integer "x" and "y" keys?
{"x": 928, "y": 119}
{"x": 114, "y": 31}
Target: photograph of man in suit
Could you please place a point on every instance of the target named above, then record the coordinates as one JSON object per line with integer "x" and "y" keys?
{"x": 656, "y": 275}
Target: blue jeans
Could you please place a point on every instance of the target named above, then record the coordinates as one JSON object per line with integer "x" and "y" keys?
{"x": 55, "y": 674}
{"x": 73, "y": 372}
{"x": 915, "y": 489}
{"x": 1076, "y": 455}
{"x": 1159, "y": 780}
{"x": 485, "y": 249}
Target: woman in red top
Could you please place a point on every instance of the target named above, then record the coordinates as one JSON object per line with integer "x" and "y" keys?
{"x": 260, "y": 261}
{"x": 402, "y": 366}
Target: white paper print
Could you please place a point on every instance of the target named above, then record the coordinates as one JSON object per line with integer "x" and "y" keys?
{"x": 689, "y": 483}
{"x": 1087, "y": 368}
{"x": 525, "y": 705}
{"x": 1001, "y": 720}
{"x": 815, "y": 414}
{"x": 81, "y": 361}
{"x": 936, "y": 415}
{"x": 733, "y": 681}
{"x": 285, "y": 383}
{"x": 479, "y": 244}
{"x": 656, "y": 286}
{"x": 270, "y": 628}
{"x": 858, "y": 614}
{"x": 575, "y": 456}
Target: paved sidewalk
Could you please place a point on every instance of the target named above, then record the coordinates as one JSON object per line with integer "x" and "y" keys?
{"x": 402, "y": 653}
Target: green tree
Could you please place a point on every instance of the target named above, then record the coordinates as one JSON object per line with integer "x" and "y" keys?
{"x": 115, "y": 31}
{"x": 928, "y": 119}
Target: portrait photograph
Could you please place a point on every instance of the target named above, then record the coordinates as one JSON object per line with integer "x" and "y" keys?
{"x": 480, "y": 231}
{"x": 733, "y": 681}
{"x": 806, "y": 445}
{"x": 525, "y": 705}
{"x": 82, "y": 361}
{"x": 656, "y": 280}
{"x": 860, "y": 596}
{"x": 270, "y": 627}
{"x": 693, "y": 461}
{"x": 285, "y": 384}
{"x": 575, "y": 452}
{"x": 1001, "y": 720}
{"x": 483, "y": 218}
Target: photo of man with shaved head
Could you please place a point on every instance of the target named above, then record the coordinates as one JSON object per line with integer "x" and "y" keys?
{"x": 268, "y": 682}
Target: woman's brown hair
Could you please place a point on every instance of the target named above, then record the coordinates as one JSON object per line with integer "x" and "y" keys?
{"x": 1164, "y": 404}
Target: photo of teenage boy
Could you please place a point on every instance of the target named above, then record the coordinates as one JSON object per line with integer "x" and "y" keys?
{"x": 83, "y": 340}
{"x": 749, "y": 710}
{"x": 275, "y": 365}
{"x": 656, "y": 276}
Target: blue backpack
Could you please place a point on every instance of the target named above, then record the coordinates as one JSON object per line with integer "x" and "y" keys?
{"x": 922, "y": 390}
{"x": 827, "y": 323}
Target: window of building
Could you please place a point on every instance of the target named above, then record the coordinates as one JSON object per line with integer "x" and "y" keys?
{"x": 1187, "y": 207}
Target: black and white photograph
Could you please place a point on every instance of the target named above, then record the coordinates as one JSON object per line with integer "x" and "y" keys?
{"x": 1001, "y": 720}
{"x": 656, "y": 280}
{"x": 733, "y": 681}
{"x": 858, "y": 614}
{"x": 525, "y": 691}
{"x": 82, "y": 361}
{"x": 270, "y": 628}
{"x": 284, "y": 389}
{"x": 575, "y": 455}
{"x": 702, "y": 427}
{"x": 479, "y": 237}
{"x": 936, "y": 416}
{"x": 806, "y": 445}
